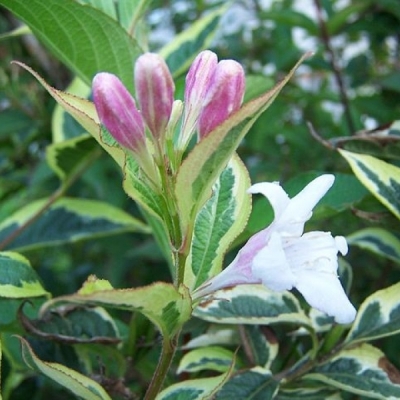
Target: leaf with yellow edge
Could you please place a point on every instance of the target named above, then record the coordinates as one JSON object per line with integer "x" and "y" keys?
{"x": 195, "y": 389}
{"x": 378, "y": 316}
{"x": 379, "y": 177}
{"x": 79, "y": 384}
{"x": 167, "y": 307}
{"x": 17, "y": 278}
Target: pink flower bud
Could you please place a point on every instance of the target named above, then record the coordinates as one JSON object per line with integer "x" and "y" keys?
{"x": 155, "y": 92}
{"x": 197, "y": 84}
{"x": 117, "y": 111}
{"x": 224, "y": 96}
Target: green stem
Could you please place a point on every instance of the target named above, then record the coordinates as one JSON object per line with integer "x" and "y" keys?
{"x": 167, "y": 354}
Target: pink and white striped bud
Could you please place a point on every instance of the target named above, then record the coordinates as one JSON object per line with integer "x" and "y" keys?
{"x": 155, "y": 92}
{"x": 197, "y": 84}
{"x": 224, "y": 96}
{"x": 117, "y": 111}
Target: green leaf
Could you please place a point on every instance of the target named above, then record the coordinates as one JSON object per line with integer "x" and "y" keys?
{"x": 17, "y": 278}
{"x": 378, "y": 241}
{"x": 167, "y": 307}
{"x": 251, "y": 304}
{"x": 67, "y": 220}
{"x": 308, "y": 394}
{"x": 210, "y": 156}
{"x": 363, "y": 370}
{"x": 254, "y": 384}
{"x": 71, "y": 155}
{"x": 217, "y": 224}
{"x": 129, "y": 12}
{"x": 185, "y": 46}
{"x": 340, "y": 18}
{"x": 106, "y": 6}
{"x": 194, "y": 389}
{"x": 378, "y": 316}
{"x": 293, "y": 19}
{"x": 212, "y": 358}
{"x": 77, "y": 383}
{"x": 380, "y": 178}
{"x": 101, "y": 45}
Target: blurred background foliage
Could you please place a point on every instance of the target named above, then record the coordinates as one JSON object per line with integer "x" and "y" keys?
{"x": 350, "y": 85}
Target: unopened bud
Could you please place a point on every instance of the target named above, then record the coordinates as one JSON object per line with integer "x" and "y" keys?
{"x": 224, "y": 96}
{"x": 155, "y": 92}
{"x": 117, "y": 111}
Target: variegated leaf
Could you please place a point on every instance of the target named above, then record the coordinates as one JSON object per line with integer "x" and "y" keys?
{"x": 194, "y": 389}
{"x": 214, "y": 358}
{"x": 378, "y": 241}
{"x": 251, "y": 304}
{"x": 67, "y": 220}
{"x": 380, "y": 178}
{"x": 308, "y": 394}
{"x": 363, "y": 370}
{"x": 180, "y": 51}
{"x": 260, "y": 344}
{"x": 164, "y": 305}
{"x": 17, "y": 278}
{"x": 254, "y": 384}
{"x": 79, "y": 384}
{"x": 217, "y": 224}
{"x": 378, "y": 316}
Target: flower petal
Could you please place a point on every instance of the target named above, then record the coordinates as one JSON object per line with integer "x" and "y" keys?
{"x": 313, "y": 260}
{"x": 271, "y": 266}
{"x": 300, "y": 207}
{"x": 274, "y": 193}
{"x": 323, "y": 291}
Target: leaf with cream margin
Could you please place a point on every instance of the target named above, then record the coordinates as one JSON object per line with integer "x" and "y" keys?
{"x": 17, "y": 277}
{"x": 79, "y": 384}
{"x": 213, "y": 358}
{"x": 378, "y": 241}
{"x": 210, "y": 156}
{"x": 195, "y": 389}
{"x": 67, "y": 220}
{"x": 252, "y": 304}
{"x": 379, "y": 177}
{"x": 363, "y": 370}
{"x": 183, "y": 48}
{"x": 378, "y": 316}
{"x": 167, "y": 307}
{"x": 218, "y": 223}
{"x": 254, "y": 384}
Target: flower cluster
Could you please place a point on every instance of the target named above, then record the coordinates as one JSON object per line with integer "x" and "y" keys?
{"x": 214, "y": 90}
{"x": 281, "y": 257}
